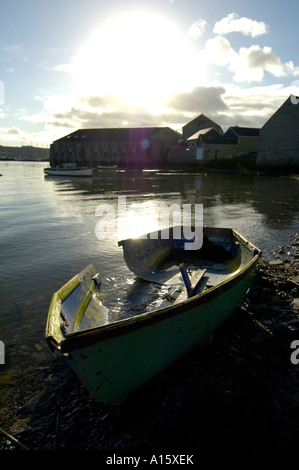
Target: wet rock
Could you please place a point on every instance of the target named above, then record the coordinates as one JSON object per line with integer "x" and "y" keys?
{"x": 267, "y": 322}
{"x": 295, "y": 304}
{"x": 6, "y": 379}
{"x": 294, "y": 279}
{"x": 275, "y": 262}
{"x": 259, "y": 308}
{"x": 276, "y": 300}
{"x": 30, "y": 405}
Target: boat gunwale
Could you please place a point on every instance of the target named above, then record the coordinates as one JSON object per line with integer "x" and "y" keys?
{"x": 85, "y": 338}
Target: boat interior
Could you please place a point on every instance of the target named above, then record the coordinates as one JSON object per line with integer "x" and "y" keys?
{"x": 166, "y": 274}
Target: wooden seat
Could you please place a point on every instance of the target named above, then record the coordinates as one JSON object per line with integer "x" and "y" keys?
{"x": 191, "y": 283}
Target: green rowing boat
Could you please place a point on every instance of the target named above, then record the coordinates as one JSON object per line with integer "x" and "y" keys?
{"x": 197, "y": 290}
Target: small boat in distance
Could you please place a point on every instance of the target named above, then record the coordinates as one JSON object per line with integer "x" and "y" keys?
{"x": 107, "y": 167}
{"x": 68, "y": 169}
{"x": 194, "y": 292}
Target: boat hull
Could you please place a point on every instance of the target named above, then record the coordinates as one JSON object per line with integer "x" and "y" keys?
{"x": 115, "y": 367}
{"x": 81, "y": 173}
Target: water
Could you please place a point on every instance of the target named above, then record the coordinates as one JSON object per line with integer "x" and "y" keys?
{"x": 48, "y": 234}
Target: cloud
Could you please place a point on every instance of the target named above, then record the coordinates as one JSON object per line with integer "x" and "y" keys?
{"x": 13, "y": 131}
{"x": 218, "y": 51}
{"x": 14, "y": 49}
{"x": 62, "y": 114}
{"x": 197, "y": 29}
{"x": 232, "y": 23}
{"x": 9, "y": 70}
{"x": 200, "y": 100}
{"x": 14, "y": 52}
{"x": 55, "y": 68}
{"x": 248, "y": 64}
{"x": 2, "y": 92}
{"x": 254, "y": 61}
{"x": 14, "y": 136}
{"x": 228, "y": 105}
{"x": 81, "y": 116}
{"x": 107, "y": 102}
{"x": 251, "y": 106}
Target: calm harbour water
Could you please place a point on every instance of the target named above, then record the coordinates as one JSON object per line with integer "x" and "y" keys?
{"x": 48, "y": 233}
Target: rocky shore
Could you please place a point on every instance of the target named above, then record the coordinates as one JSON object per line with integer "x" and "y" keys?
{"x": 239, "y": 392}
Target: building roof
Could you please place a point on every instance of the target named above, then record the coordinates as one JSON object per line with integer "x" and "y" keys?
{"x": 245, "y": 131}
{"x": 201, "y": 122}
{"x": 200, "y": 132}
{"x": 290, "y": 109}
{"x": 120, "y": 134}
{"x": 204, "y": 132}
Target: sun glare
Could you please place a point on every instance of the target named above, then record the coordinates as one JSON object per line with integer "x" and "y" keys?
{"x": 137, "y": 57}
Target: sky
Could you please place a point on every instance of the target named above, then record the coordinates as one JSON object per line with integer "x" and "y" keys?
{"x": 71, "y": 64}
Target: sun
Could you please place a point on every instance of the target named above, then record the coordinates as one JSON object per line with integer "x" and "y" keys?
{"x": 138, "y": 57}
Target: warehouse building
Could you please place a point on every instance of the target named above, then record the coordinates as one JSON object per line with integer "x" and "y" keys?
{"x": 199, "y": 123}
{"x": 279, "y": 138}
{"x": 125, "y": 147}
